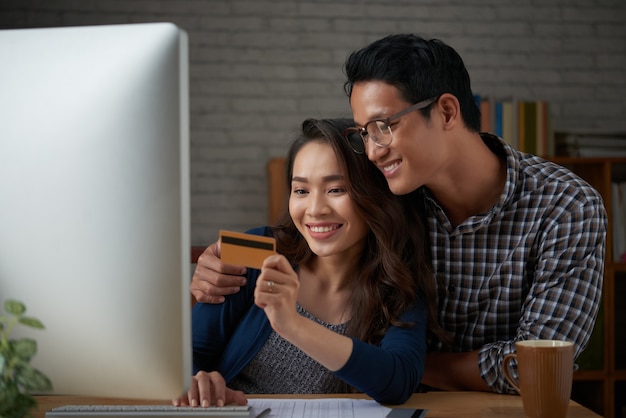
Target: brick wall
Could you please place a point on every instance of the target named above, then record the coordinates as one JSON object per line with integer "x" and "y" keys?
{"x": 259, "y": 67}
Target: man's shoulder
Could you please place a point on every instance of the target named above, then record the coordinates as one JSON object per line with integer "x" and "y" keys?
{"x": 554, "y": 191}
{"x": 529, "y": 173}
{"x": 553, "y": 177}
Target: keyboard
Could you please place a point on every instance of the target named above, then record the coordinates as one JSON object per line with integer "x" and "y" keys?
{"x": 149, "y": 411}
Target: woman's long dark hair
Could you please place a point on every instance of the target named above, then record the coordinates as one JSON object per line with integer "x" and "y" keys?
{"x": 395, "y": 266}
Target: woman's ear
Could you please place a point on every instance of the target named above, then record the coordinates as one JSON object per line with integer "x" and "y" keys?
{"x": 450, "y": 109}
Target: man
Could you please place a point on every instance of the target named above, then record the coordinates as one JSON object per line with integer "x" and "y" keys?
{"x": 517, "y": 242}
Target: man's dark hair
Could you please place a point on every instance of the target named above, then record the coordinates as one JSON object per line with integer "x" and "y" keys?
{"x": 418, "y": 68}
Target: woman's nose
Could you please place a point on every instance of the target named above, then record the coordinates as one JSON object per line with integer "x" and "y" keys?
{"x": 317, "y": 204}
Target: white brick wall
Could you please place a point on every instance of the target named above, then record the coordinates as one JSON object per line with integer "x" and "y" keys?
{"x": 258, "y": 68}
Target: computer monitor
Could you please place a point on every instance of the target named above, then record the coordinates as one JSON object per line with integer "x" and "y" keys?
{"x": 94, "y": 212}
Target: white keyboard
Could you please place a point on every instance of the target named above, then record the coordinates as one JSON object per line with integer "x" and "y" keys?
{"x": 148, "y": 411}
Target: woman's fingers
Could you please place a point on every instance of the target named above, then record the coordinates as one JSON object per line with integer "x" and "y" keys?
{"x": 207, "y": 389}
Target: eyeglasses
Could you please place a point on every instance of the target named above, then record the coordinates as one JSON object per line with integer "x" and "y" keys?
{"x": 379, "y": 130}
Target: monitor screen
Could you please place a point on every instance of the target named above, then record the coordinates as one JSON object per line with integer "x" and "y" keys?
{"x": 94, "y": 218}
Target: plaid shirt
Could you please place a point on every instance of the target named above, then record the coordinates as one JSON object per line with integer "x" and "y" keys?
{"x": 531, "y": 267}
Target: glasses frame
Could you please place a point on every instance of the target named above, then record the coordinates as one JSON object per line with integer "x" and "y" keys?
{"x": 363, "y": 133}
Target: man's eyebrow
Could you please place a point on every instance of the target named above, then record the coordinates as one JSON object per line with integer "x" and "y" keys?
{"x": 381, "y": 114}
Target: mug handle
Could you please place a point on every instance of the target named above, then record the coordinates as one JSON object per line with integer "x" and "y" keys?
{"x": 505, "y": 369}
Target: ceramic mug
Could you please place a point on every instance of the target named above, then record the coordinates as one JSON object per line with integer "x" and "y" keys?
{"x": 545, "y": 372}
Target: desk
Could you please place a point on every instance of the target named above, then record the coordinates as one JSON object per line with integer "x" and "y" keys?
{"x": 439, "y": 404}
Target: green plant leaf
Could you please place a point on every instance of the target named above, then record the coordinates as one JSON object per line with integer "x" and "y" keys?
{"x": 24, "y": 348}
{"x": 14, "y": 404}
{"x": 17, "y": 376}
{"x": 17, "y": 405}
{"x": 8, "y": 394}
{"x": 14, "y": 307}
{"x": 31, "y": 322}
{"x": 32, "y": 379}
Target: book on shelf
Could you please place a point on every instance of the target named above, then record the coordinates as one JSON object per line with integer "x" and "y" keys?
{"x": 485, "y": 105}
{"x": 591, "y": 144}
{"x": 525, "y": 124}
{"x": 618, "y": 207}
{"x": 509, "y": 121}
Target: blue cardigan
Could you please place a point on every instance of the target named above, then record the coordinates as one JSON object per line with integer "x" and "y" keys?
{"x": 227, "y": 336}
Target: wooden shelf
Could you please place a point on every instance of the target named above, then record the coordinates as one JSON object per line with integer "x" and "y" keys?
{"x": 588, "y": 160}
{"x": 620, "y": 267}
{"x": 586, "y": 375}
{"x": 602, "y": 390}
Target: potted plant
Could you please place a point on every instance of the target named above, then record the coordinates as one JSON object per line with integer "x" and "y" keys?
{"x": 17, "y": 376}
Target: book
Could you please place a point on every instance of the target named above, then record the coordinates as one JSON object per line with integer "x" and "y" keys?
{"x": 530, "y": 127}
{"x": 524, "y": 124}
{"x": 485, "y": 115}
{"x": 497, "y": 118}
{"x": 618, "y": 208}
{"x": 509, "y": 122}
{"x": 542, "y": 128}
{"x": 590, "y": 144}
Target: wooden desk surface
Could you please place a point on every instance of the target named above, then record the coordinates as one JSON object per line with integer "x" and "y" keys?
{"x": 439, "y": 404}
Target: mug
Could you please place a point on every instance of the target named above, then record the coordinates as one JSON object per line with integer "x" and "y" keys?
{"x": 545, "y": 372}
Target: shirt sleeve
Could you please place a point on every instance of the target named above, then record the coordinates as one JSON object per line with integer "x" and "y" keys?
{"x": 565, "y": 291}
{"x": 212, "y": 325}
{"x": 391, "y": 371}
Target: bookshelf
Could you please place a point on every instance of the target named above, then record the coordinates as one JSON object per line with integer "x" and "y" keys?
{"x": 600, "y": 383}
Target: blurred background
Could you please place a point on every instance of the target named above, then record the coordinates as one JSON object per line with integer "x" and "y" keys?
{"x": 258, "y": 68}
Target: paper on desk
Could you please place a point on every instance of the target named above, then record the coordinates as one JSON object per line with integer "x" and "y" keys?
{"x": 319, "y": 408}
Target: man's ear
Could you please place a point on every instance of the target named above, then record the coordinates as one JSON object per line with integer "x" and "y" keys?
{"x": 450, "y": 110}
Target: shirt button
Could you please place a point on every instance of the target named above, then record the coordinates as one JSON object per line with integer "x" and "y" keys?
{"x": 451, "y": 289}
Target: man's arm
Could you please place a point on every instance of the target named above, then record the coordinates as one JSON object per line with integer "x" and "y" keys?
{"x": 562, "y": 304}
{"x": 454, "y": 371}
{"x": 212, "y": 280}
{"x": 564, "y": 295}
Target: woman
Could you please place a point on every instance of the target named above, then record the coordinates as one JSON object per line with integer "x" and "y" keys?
{"x": 341, "y": 307}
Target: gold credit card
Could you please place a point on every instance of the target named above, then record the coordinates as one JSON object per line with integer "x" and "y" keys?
{"x": 246, "y": 249}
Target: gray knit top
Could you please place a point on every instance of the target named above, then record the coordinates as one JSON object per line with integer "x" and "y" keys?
{"x": 281, "y": 367}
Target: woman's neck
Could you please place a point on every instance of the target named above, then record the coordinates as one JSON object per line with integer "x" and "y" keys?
{"x": 325, "y": 291}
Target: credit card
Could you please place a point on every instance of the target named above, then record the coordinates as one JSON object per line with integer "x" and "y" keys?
{"x": 246, "y": 249}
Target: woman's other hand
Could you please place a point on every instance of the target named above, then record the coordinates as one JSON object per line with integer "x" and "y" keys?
{"x": 209, "y": 389}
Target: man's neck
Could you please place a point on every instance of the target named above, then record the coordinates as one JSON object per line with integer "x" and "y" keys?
{"x": 472, "y": 181}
